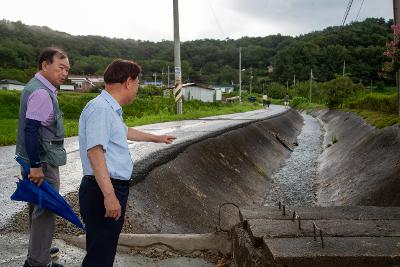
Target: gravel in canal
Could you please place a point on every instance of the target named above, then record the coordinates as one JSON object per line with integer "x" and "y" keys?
{"x": 294, "y": 183}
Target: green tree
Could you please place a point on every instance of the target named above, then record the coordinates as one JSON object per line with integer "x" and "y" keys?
{"x": 337, "y": 90}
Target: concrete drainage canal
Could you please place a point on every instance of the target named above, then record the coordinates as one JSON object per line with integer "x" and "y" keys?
{"x": 175, "y": 210}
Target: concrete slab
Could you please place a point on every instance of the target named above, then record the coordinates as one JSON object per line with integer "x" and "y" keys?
{"x": 321, "y": 213}
{"x": 351, "y": 236}
{"x": 337, "y": 251}
{"x": 260, "y": 228}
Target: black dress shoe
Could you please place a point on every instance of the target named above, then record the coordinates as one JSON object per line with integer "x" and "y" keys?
{"x": 54, "y": 252}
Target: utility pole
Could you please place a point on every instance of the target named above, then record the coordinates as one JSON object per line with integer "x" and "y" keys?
{"x": 370, "y": 87}
{"x": 251, "y": 78}
{"x": 344, "y": 67}
{"x": 162, "y": 78}
{"x": 294, "y": 80}
{"x": 263, "y": 86}
{"x": 177, "y": 53}
{"x": 310, "y": 92}
{"x": 155, "y": 78}
{"x": 240, "y": 74}
{"x": 287, "y": 86}
{"x": 396, "y": 13}
{"x": 168, "y": 76}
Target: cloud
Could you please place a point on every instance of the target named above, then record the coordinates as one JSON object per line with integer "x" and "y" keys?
{"x": 294, "y": 17}
{"x": 216, "y": 19}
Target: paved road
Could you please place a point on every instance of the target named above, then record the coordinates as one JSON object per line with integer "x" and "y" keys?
{"x": 71, "y": 174}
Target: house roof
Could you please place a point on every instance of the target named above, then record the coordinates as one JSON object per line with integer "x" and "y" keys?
{"x": 195, "y": 85}
{"x": 6, "y": 81}
{"x": 93, "y": 79}
{"x": 225, "y": 86}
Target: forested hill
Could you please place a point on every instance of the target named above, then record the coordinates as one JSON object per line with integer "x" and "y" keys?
{"x": 360, "y": 44}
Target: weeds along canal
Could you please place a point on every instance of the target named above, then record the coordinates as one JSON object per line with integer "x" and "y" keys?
{"x": 294, "y": 183}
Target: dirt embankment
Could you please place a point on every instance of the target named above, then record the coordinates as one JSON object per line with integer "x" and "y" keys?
{"x": 183, "y": 195}
{"x": 360, "y": 164}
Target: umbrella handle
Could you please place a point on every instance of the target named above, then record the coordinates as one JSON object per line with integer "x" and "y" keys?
{"x": 23, "y": 164}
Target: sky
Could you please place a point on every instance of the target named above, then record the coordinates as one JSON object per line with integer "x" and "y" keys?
{"x": 199, "y": 19}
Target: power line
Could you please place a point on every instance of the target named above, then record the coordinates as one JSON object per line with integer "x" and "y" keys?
{"x": 358, "y": 13}
{"x": 216, "y": 19}
{"x": 347, "y": 12}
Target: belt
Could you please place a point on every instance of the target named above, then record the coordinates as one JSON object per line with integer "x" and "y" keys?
{"x": 56, "y": 142}
{"x": 113, "y": 180}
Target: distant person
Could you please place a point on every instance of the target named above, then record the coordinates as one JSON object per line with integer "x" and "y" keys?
{"x": 106, "y": 161}
{"x": 40, "y": 142}
{"x": 286, "y": 100}
{"x": 265, "y": 101}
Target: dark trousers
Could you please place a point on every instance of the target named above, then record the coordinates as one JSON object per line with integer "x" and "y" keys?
{"x": 101, "y": 233}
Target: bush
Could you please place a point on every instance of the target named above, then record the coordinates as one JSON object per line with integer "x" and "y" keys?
{"x": 297, "y": 101}
{"x": 376, "y": 102}
{"x": 339, "y": 89}
{"x": 9, "y": 104}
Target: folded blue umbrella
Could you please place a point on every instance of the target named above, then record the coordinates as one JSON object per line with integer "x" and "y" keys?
{"x": 44, "y": 196}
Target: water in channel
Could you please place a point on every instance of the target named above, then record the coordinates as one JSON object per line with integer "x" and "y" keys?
{"x": 293, "y": 184}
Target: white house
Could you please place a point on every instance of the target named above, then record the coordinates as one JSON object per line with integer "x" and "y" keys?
{"x": 191, "y": 91}
{"x": 85, "y": 83}
{"x": 11, "y": 85}
{"x": 67, "y": 87}
{"x": 153, "y": 83}
{"x": 225, "y": 89}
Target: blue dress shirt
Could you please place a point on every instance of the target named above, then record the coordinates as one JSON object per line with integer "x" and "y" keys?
{"x": 101, "y": 123}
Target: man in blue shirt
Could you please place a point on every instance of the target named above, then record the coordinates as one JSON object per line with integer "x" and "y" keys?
{"x": 106, "y": 161}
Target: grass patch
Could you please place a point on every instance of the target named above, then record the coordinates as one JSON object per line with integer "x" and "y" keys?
{"x": 261, "y": 171}
{"x": 378, "y": 119}
{"x": 379, "y": 102}
{"x": 8, "y": 131}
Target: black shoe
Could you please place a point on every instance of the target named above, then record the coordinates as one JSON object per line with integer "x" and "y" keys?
{"x": 51, "y": 264}
{"x": 54, "y": 252}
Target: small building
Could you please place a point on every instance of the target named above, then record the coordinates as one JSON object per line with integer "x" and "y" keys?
{"x": 225, "y": 89}
{"x": 11, "y": 85}
{"x": 192, "y": 91}
{"x": 153, "y": 83}
{"x": 67, "y": 87}
{"x": 85, "y": 83}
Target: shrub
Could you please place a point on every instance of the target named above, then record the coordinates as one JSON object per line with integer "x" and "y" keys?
{"x": 297, "y": 101}
{"x": 339, "y": 89}
{"x": 376, "y": 102}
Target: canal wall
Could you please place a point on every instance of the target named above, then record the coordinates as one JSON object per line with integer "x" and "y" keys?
{"x": 184, "y": 194}
{"x": 360, "y": 165}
